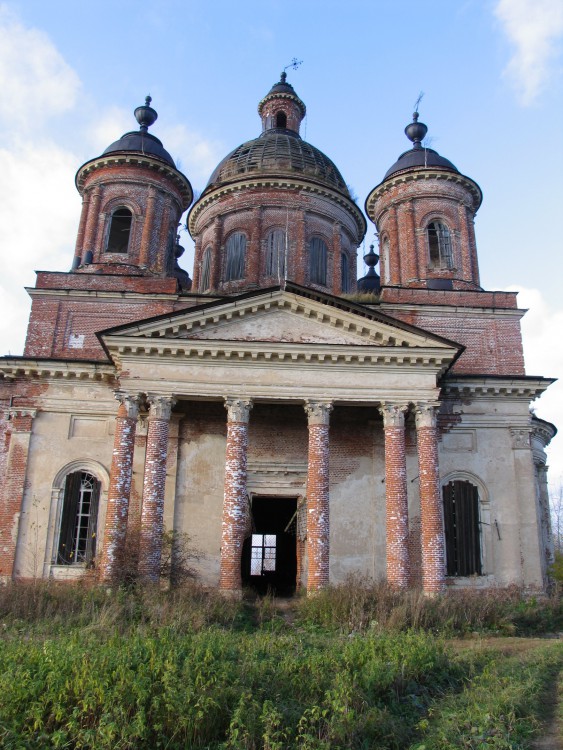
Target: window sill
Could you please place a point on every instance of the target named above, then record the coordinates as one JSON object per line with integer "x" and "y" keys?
{"x": 67, "y": 572}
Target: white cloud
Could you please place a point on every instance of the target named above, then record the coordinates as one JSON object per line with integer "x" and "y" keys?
{"x": 109, "y": 127}
{"x": 35, "y": 81}
{"x": 535, "y": 29}
{"x": 194, "y": 155}
{"x": 541, "y": 330}
{"x": 39, "y": 211}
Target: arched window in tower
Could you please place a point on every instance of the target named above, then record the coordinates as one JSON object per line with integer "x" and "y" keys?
{"x": 77, "y": 535}
{"x": 385, "y": 257}
{"x": 119, "y": 231}
{"x": 462, "y": 529}
{"x": 344, "y": 273}
{"x": 439, "y": 245}
{"x": 205, "y": 280}
{"x": 281, "y": 120}
{"x": 275, "y": 253}
{"x": 318, "y": 254}
{"x": 236, "y": 253}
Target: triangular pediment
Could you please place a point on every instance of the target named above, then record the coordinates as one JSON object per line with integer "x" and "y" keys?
{"x": 282, "y": 316}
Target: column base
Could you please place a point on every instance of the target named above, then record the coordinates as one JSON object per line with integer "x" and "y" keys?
{"x": 235, "y": 594}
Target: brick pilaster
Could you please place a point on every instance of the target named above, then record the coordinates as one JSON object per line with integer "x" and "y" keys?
{"x": 318, "y": 522}
{"x": 396, "y": 501}
{"x": 337, "y": 260}
{"x": 119, "y": 486}
{"x": 235, "y": 498}
{"x": 92, "y": 221}
{"x": 148, "y": 227}
{"x": 13, "y": 487}
{"x": 432, "y": 531}
{"x": 394, "y": 274}
{"x": 150, "y": 543}
{"x": 82, "y": 225}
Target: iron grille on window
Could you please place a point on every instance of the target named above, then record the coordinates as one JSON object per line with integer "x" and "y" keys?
{"x": 462, "y": 530}
{"x": 77, "y": 538}
{"x": 275, "y": 253}
{"x": 236, "y": 251}
{"x": 439, "y": 245}
{"x": 318, "y": 253}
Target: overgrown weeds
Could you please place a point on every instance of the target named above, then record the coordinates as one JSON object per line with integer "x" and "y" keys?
{"x": 360, "y": 606}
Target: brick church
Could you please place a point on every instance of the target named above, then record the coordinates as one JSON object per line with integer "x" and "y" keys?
{"x": 298, "y": 424}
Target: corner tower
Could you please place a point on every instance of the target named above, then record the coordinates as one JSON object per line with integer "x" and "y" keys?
{"x": 132, "y": 200}
{"x": 125, "y": 261}
{"x": 276, "y": 208}
{"x": 424, "y": 210}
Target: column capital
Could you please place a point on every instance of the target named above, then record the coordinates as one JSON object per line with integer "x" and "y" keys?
{"x": 161, "y": 405}
{"x": 238, "y": 409}
{"x": 393, "y": 414}
{"x": 131, "y": 403}
{"x": 520, "y": 437}
{"x": 425, "y": 413}
{"x": 318, "y": 412}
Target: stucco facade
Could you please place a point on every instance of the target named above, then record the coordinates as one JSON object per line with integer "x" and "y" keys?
{"x": 296, "y": 433}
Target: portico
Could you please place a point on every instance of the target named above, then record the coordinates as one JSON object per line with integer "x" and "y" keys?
{"x": 350, "y": 358}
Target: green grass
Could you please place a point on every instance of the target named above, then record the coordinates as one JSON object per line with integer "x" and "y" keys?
{"x": 133, "y": 669}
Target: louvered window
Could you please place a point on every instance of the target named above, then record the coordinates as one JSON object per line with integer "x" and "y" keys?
{"x": 318, "y": 254}
{"x": 439, "y": 245}
{"x": 275, "y": 253}
{"x": 77, "y": 537}
{"x": 344, "y": 273}
{"x": 236, "y": 252}
{"x": 462, "y": 529}
{"x": 205, "y": 270}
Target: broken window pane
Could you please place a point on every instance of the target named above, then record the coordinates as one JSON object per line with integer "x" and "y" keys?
{"x": 439, "y": 245}
{"x": 205, "y": 271}
{"x": 318, "y": 254}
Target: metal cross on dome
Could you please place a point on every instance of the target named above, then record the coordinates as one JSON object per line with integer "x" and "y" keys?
{"x": 295, "y": 63}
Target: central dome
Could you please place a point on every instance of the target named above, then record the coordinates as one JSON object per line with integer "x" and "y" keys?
{"x": 278, "y": 152}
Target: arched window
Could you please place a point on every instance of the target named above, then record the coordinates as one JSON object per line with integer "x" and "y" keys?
{"x": 385, "y": 261}
{"x": 439, "y": 245}
{"x": 119, "y": 231}
{"x": 205, "y": 281}
{"x": 344, "y": 273}
{"x": 281, "y": 120}
{"x": 462, "y": 529}
{"x": 77, "y": 536}
{"x": 318, "y": 254}
{"x": 236, "y": 252}
{"x": 275, "y": 253}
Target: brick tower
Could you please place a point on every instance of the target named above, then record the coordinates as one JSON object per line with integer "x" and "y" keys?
{"x": 125, "y": 262}
{"x": 276, "y": 208}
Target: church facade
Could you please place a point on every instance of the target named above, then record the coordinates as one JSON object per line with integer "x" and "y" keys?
{"x": 298, "y": 425}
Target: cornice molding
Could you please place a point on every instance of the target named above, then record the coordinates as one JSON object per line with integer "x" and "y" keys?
{"x": 280, "y": 182}
{"x": 120, "y": 159}
{"x": 56, "y": 370}
{"x": 420, "y": 174}
{"x": 526, "y": 388}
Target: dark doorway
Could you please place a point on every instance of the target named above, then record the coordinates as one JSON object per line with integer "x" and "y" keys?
{"x": 269, "y": 555}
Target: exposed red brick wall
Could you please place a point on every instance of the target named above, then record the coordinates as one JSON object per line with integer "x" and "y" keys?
{"x": 318, "y": 522}
{"x": 256, "y": 212}
{"x": 150, "y": 548}
{"x": 432, "y": 533}
{"x": 396, "y": 500}
{"x": 13, "y": 487}
{"x": 402, "y": 213}
{"x": 493, "y": 341}
{"x": 119, "y": 489}
{"x": 233, "y": 528}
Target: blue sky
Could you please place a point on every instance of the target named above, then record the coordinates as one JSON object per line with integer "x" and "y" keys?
{"x": 491, "y": 72}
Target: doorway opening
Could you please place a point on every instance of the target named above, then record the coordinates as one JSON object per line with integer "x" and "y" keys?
{"x": 269, "y": 555}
